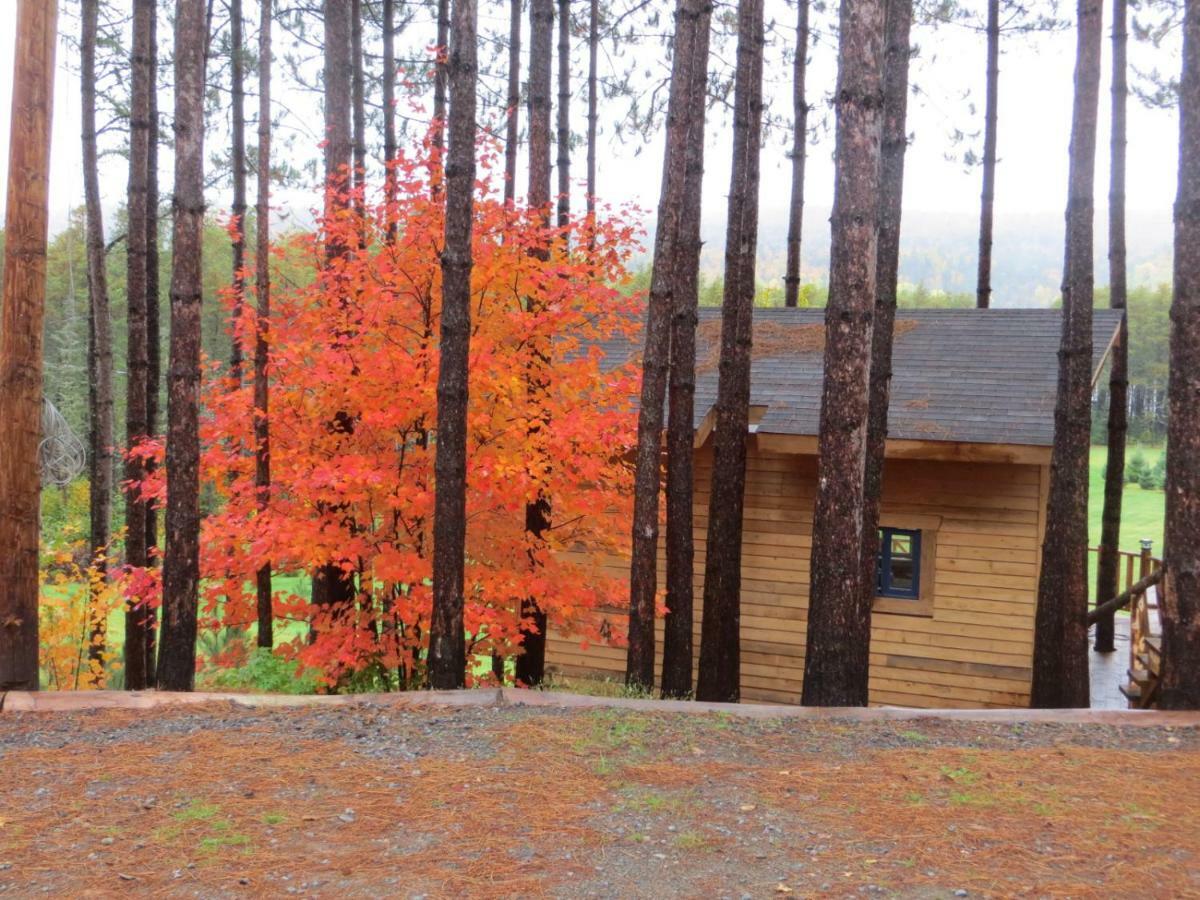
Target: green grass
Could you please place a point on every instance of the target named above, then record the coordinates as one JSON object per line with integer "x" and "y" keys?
{"x": 1141, "y": 510}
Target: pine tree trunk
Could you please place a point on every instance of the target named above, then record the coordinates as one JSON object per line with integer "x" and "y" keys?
{"x": 181, "y": 560}
{"x": 153, "y": 344}
{"x": 440, "y": 82}
{"x": 390, "y": 148}
{"x": 22, "y": 308}
{"x": 332, "y": 590}
{"x": 690, "y": 45}
{"x": 678, "y": 653}
{"x": 592, "y": 116}
{"x": 512, "y": 136}
{"x": 1060, "y": 663}
{"x": 137, "y": 288}
{"x": 530, "y": 665}
{"x": 262, "y": 272}
{"x": 720, "y": 651}
{"x": 563, "y": 139}
{"x": 447, "y": 640}
{"x": 238, "y": 164}
{"x": 358, "y": 97}
{"x": 791, "y": 280}
{"x": 1107, "y": 568}
{"x": 1180, "y": 687}
{"x": 100, "y": 356}
{"x": 839, "y": 621}
{"x": 987, "y": 204}
{"x": 894, "y": 143}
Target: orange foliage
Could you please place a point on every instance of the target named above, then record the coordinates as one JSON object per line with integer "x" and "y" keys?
{"x": 359, "y": 345}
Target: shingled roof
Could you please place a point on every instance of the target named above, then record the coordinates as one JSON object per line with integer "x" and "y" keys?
{"x": 963, "y": 375}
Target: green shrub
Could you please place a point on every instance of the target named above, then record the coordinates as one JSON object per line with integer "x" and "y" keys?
{"x": 1137, "y": 468}
{"x": 264, "y": 673}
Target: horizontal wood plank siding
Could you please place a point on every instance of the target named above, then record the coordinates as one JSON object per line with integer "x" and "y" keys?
{"x": 975, "y": 650}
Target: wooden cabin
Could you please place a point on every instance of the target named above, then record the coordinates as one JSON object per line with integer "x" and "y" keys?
{"x": 966, "y": 480}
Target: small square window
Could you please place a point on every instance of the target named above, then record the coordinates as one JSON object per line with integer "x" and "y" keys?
{"x": 899, "y": 570}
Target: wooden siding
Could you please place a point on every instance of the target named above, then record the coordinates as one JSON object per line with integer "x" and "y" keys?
{"x": 974, "y": 650}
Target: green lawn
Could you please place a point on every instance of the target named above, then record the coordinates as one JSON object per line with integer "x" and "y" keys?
{"x": 1141, "y": 510}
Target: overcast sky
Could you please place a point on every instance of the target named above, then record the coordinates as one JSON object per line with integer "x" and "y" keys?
{"x": 1035, "y": 113}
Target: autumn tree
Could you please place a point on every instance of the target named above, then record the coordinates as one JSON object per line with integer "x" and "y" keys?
{"x": 1060, "y": 666}
{"x": 690, "y": 48}
{"x": 1108, "y": 566}
{"x": 1180, "y": 687}
{"x": 897, "y": 52}
{"x": 387, "y": 462}
{"x": 100, "y": 351}
{"x": 262, "y": 323}
{"x": 791, "y": 279}
{"x": 142, "y": 228}
{"x": 181, "y": 559}
{"x": 447, "y": 640}
{"x": 836, "y": 661}
{"x": 22, "y": 305}
{"x": 720, "y": 636}
{"x": 530, "y": 665}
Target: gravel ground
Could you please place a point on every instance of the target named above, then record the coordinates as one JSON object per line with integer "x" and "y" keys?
{"x": 373, "y": 800}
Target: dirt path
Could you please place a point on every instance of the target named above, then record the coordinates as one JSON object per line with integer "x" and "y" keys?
{"x": 374, "y": 800}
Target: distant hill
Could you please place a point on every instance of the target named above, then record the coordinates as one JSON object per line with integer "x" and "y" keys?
{"x": 939, "y": 252}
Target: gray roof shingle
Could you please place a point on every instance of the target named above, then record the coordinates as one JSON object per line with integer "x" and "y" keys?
{"x": 975, "y": 376}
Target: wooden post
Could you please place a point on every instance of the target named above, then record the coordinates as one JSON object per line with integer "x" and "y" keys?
{"x": 1147, "y": 561}
{"x": 22, "y": 308}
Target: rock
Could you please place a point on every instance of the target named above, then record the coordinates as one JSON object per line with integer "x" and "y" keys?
{"x": 108, "y": 841}
{"x": 960, "y": 893}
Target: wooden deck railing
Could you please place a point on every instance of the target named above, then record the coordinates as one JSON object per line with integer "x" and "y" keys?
{"x": 1139, "y": 583}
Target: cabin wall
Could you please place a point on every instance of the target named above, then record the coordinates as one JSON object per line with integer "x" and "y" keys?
{"x": 973, "y": 650}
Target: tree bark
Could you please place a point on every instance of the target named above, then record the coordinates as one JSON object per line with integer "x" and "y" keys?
{"x": 22, "y": 309}
{"x": 677, "y": 625}
{"x": 100, "y": 356}
{"x": 332, "y": 589}
{"x": 153, "y": 348}
{"x": 839, "y": 621}
{"x": 358, "y": 97}
{"x": 720, "y": 651}
{"x": 592, "y": 116}
{"x": 987, "y": 204}
{"x": 897, "y": 52}
{"x": 238, "y": 164}
{"x": 138, "y": 675}
{"x": 262, "y": 270}
{"x": 791, "y": 280}
{"x": 181, "y": 561}
{"x": 1180, "y": 686}
{"x": 447, "y": 641}
{"x": 512, "y": 136}
{"x": 690, "y": 45}
{"x": 390, "y": 148}
{"x": 563, "y": 139}
{"x": 530, "y": 665}
{"x": 439, "y": 85}
{"x": 1118, "y": 380}
{"x": 1060, "y": 664}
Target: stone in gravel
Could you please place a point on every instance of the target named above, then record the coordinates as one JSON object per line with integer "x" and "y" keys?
{"x": 108, "y": 841}
{"x": 960, "y": 893}
{"x": 348, "y": 816}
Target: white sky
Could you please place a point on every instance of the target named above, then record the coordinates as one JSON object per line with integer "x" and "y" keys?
{"x": 1035, "y": 105}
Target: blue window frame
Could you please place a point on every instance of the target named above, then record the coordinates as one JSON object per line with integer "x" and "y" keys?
{"x": 899, "y": 570}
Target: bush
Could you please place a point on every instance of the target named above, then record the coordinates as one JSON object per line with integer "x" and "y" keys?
{"x": 1137, "y": 469}
{"x": 264, "y": 673}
